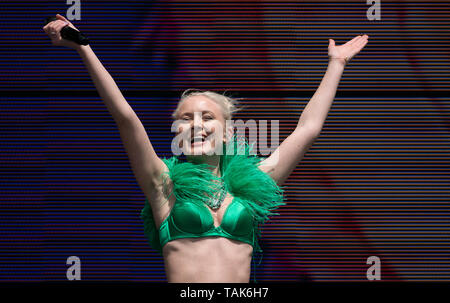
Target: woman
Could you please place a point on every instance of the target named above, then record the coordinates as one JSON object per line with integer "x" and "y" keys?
{"x": 203, "y": 214}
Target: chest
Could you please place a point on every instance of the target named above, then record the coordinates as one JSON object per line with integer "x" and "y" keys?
{"x": 190, "y": 217}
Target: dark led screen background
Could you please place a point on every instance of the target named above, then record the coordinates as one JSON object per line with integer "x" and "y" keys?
{"x": 375, "y": 182}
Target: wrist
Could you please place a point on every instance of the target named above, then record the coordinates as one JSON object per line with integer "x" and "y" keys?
{"x": 81, "y": 48}
{"x": 337, "y": 61}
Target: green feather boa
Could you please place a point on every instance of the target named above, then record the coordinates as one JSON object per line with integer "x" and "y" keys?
{"x": 241, "y": 175}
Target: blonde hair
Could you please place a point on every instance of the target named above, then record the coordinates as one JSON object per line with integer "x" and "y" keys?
{"x": 226, "y": 103}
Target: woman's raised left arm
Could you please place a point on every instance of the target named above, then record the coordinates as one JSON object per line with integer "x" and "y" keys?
{"x": 285, "y": 158}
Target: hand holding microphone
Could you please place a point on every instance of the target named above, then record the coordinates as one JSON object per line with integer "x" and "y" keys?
{"x": 62, "y": 32}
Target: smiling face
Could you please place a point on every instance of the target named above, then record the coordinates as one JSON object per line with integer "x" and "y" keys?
{"x": 202, "y": 123}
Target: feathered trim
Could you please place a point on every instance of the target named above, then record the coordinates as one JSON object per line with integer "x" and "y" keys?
{"x": 241, "y": 175}
{"x": 191, "y": 182}
{"x": 245, "y": 180}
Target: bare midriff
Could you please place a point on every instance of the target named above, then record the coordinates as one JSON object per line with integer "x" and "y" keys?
{"x": 207, "y": 260}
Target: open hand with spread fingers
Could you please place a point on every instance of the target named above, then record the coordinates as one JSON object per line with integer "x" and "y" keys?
{"x": 345, "y": 52}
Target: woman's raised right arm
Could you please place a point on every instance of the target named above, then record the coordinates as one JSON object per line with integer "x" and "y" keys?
{"x": 146, "y": 165}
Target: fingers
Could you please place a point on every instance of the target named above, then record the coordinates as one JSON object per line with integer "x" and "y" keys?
{"x": 59, "y": 26}
{"x": 56, "y": 28}
{"x": 358, "y": 39}
{"x": 353, "y": 40}
{"x": 361, "y": 42}
{"x": 362, "y": 38}
{"x": 53, "y": 28}
{"x": 59, "y": 17}
{"x": 58, "y": 21}
{"x": 62, "y": 18}
{"x": 358, "y": 45}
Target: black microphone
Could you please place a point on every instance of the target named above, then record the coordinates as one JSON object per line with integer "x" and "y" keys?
{"x": 69, "y": 33}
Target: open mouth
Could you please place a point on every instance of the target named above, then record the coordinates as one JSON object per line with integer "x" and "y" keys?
{"x": 198, "y": 140}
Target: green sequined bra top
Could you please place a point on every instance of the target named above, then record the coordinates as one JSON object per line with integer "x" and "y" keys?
{"x": 255, "y": 196}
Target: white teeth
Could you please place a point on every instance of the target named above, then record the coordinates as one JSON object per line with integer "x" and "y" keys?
{"x": 198, "y": 139}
